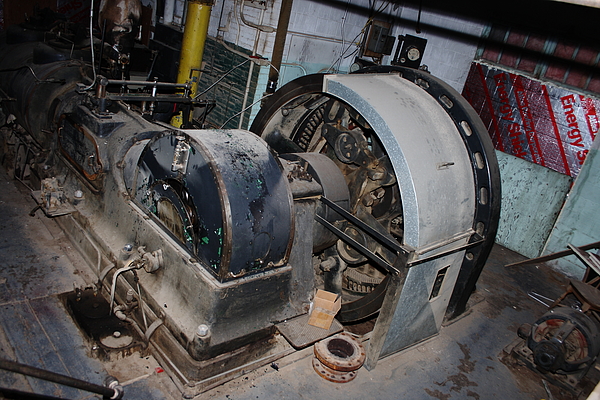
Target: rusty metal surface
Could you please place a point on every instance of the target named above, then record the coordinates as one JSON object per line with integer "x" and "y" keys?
{"x": 330, "y": 374}
{"x": 341, "y": 352}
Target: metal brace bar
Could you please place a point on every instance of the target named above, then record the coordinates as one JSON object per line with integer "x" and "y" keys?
{"x": 445, "y": 253}
{"x": 143, "y": 97}
{"x": 585, "y": 258}
{"x": 444, "y": 242}
{"x": 554, "y": 256}
{"x": 362, "y": 249}
{"x": 149, "y": 83}
{"x": 388, "y": 242}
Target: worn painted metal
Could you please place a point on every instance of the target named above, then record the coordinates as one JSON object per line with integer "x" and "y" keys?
{"x": 532, "y": 197}
{"x": 577, "y": 222}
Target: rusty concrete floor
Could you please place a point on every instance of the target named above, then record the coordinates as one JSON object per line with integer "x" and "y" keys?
{"x": 37, "y": 263}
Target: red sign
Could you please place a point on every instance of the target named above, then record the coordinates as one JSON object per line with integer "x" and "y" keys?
{"x": 544, "y": 124}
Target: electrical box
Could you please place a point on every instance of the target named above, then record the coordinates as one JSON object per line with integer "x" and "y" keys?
{"x": 379, "y": 42}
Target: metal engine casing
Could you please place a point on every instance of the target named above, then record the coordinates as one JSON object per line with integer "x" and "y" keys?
{"x": 101, "y": 156}
{"x": 230, "y": 226}
{"x": 237, "y": 203}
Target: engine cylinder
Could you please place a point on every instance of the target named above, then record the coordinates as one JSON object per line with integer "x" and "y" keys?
{"x": 36, "y": 87}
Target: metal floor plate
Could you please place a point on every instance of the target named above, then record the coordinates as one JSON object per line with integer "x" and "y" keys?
{"x": 300, "y": 334}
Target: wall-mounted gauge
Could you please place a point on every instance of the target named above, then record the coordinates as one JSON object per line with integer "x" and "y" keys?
{"x": 413, "y": 53}
{"x": 409, "y": 51}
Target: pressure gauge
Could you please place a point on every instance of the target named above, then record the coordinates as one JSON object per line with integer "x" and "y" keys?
{"x": 413, "y": 54}
{"x": 354, "y": 67}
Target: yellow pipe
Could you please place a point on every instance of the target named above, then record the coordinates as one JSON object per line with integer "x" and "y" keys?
{"x": 192, "y": 47}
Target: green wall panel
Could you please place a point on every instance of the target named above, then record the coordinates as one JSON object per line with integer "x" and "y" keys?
{"x": 579, "y": 221}
{"x": 532, "y": 197}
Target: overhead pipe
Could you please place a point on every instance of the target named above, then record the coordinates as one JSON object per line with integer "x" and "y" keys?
{"x": 259, "y": 26}
{"x": 279, "y": 45}
{"x": 192, "y": 47}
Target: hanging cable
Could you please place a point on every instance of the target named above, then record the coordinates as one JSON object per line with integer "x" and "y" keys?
{"x": 384, "y": 6}
{"x": 373, "y": 12}
{"x": 343, "y": 55}
{"x": 339, "y": 60}
{"x": 418, "y": 27}
{"x": 245, "y": 109}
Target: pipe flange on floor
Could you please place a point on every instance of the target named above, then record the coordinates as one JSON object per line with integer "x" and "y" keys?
{"x": 340, "y": 352}
{"x": 331, "y": 374}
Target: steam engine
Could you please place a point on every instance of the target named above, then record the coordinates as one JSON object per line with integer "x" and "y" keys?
{"x": 381, "y": 186}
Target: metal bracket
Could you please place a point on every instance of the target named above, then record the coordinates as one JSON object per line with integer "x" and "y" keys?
{"x": 408, "y": 252}
{"x": 475, "y": 240}
{"x": 389, "y": 242}
{"x": 52, "y": 199}
{"x": 403, "y": 252}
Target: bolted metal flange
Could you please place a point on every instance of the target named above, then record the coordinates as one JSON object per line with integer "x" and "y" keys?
{"x": 340, "y": 352}
{"x": 331, "y": 374}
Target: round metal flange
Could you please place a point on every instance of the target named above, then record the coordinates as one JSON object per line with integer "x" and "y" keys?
{"x": 331, "y": 374}
{"x": 340, "y": 352}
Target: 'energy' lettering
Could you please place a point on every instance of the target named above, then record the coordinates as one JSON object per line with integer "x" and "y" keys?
{"x": 574, "y": 133}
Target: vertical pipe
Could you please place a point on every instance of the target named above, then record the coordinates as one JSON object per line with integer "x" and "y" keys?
{"x": 251, "y": 70}
{"x": 279, "y": 45}
{"x": 192, "y": 47}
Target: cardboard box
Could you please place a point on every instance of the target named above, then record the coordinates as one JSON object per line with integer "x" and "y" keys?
{"x": 325, "y": 306}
